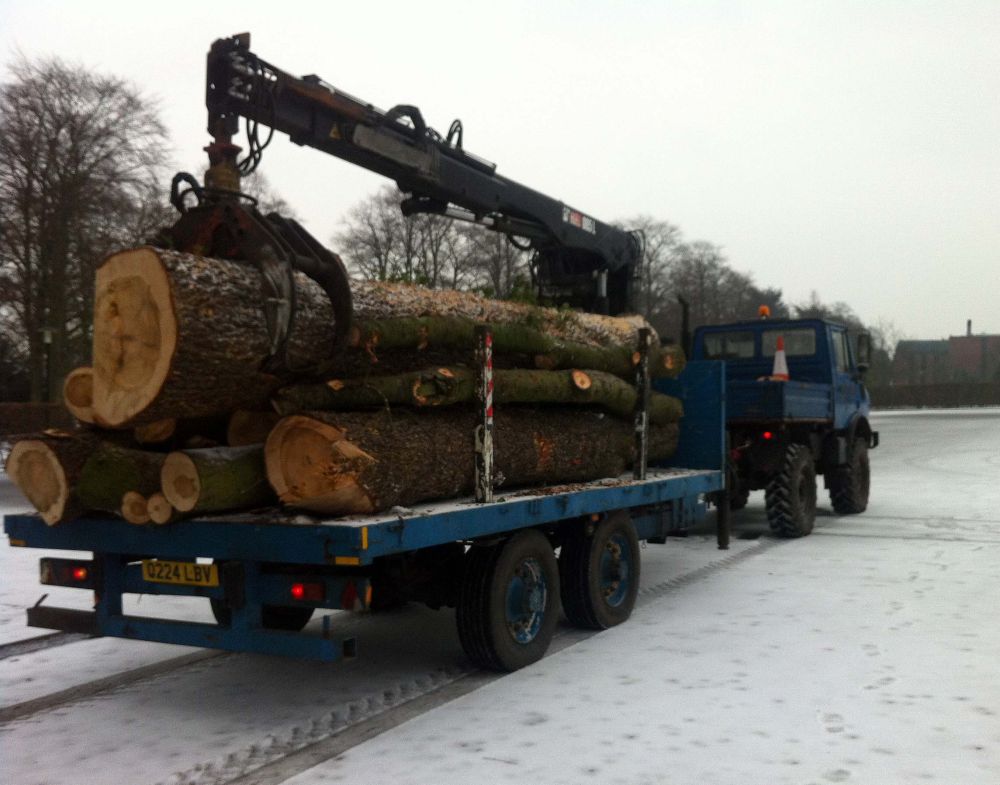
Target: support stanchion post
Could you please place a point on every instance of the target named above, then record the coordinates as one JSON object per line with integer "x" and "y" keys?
{"x": 484, "y": 426}
{"x": 642, "y": 404}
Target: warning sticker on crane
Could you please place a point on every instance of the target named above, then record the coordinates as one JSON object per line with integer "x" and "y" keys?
{"x": 579, "y": 220}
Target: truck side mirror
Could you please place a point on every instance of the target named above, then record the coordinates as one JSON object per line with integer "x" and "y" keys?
{"x": 864, "y": 351}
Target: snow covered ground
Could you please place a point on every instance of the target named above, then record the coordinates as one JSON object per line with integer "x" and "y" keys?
{"x": 865, "y": 653}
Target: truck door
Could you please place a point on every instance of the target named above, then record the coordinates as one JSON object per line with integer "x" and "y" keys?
{"x": 846, "y": 390}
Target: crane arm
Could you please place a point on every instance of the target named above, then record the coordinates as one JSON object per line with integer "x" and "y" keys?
{"x": 577, "y": 259}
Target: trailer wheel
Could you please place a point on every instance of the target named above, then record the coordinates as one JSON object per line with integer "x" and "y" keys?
{"x": 599, "y": 573}
{"x": 790, "y": 497}
{"x": 508, "y": 605}
{"x": 849, "y": 485}
{"x": 273, "y": 617}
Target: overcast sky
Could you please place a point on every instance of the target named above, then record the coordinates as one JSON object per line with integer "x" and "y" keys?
{"x": 852, "y": 148}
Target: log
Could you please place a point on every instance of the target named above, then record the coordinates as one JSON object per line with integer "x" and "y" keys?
{"x": 65, "y": 474}
{"x": 246, "y": 427}
{"x": 160, "y": 510}
{"x": 392, "y": 344}
{"x": 216, "y": 479}
{"x": 451, "y": 385}
{"x": 78, "y": 394}
{"x": 354, "y": 463}
{"x": 135, "y": 508}
{"x": 178, "y": 335}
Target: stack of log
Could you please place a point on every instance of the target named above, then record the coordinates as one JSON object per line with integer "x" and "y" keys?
{"x": 181, "y": 413}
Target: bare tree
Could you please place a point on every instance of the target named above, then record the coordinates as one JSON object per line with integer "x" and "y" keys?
{"x": 80, "y": 156}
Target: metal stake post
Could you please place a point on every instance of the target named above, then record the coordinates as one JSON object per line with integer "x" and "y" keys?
{"x": 484, "y": 430}
{"x": 642, "y": 405}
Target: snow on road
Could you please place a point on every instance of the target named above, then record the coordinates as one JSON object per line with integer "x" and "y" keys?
{"x": 865, "y": 653}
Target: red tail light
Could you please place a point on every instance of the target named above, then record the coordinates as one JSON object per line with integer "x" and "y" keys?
{"x": 312, "y": 592}
{"x": 767, "y": 436}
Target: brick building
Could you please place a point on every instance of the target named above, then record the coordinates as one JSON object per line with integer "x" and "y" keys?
{"x": 959, "y": 358}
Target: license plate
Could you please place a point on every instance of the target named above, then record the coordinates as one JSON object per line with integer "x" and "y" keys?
{"x": 183, "y": 573}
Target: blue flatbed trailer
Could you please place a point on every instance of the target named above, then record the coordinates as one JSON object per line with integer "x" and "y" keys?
{"x": 262, "y": 571}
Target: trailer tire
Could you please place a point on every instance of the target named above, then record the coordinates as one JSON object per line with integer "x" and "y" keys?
{"x": 790, "y": 498}
{"x": 849, "y": 485}
{"x": 508, "y": 605}
{"x": 599, "y": 573}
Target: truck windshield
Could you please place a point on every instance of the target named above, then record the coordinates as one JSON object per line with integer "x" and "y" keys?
{"x": 799, "y": 342}
{"x": 734, "y": 345}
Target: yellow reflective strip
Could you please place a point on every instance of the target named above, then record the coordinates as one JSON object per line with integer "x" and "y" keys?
{"x": 18, "y": 543}
{"x": 364, "y": 538}
{"x": 347, "y": 560}
{"x": 368, "y": 596}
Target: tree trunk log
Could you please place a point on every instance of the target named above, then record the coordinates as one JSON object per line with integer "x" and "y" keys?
{"x": 177, "y": 335}
{"x": 444, "y": 386}
{"x": 64, "y": 474}
{"x": 216, "y": 479}
{"x": 135, "y": 508}
{"x": 344, "y": 464}
{"x": 160, "y": 510}
{"x": 78, "y": 394}
{"x": 389, "y": 345}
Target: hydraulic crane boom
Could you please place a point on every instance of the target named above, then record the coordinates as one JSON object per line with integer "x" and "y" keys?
{"x": 577, "y": 259}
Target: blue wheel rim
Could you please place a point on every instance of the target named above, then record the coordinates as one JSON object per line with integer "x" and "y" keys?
{"x": 527, "y": 595}
{"x": 615, "y": 570}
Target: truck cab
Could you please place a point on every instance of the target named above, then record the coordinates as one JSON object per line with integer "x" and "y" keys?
{"x": 796, "y": 407}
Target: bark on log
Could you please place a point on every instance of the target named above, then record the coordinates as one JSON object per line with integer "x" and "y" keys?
{"x": 445, "y": 386}
{"x": 65, "y": 474}
{"x": 377, "y": 345}
{"x": 78, "y": 394}
{"x": 353, "y": 463}
{"x": 246, "y": 427}
{"x": 177, "y": 335}
{"x": 216, "y": 479}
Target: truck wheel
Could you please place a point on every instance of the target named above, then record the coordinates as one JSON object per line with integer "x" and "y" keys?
{"x": 599, "y": 573}
{"x": 849, "y": 484}
{"x": 790, "y": 497}
{"x": 273, "y": 617}
{"x": 508, "y": 606}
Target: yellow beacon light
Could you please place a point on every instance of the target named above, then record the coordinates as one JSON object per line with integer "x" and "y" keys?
{"x": 764, "y": 312}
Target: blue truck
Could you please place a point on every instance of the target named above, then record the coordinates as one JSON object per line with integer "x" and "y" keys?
{"x": 782, "y": 432}
{"x": 265, "y": 574}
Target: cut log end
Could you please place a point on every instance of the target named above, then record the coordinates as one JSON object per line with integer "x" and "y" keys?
{"x": 160, "y": 510}
{"x": 181, "y": 484}
{"x": 135, "y": 508}
{"x": 78, "y": 394}
{"x": 135, "y": 334}
{"x": 37, "y": 472}
{"x": 581, "y": 380}
{"x": 309, "y": 460}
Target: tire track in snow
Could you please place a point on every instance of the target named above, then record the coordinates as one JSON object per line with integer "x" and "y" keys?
{"x": 40, "y": 642}
{"x": 108, "y": 684}
{"x": 279, "y": 757}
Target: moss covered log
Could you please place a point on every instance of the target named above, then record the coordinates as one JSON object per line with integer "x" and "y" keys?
{"x": 450, "y": 385}
{"x": 216, "y": 479}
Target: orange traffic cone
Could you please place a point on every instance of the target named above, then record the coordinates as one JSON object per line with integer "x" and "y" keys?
{"x": 780, "y": 372}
